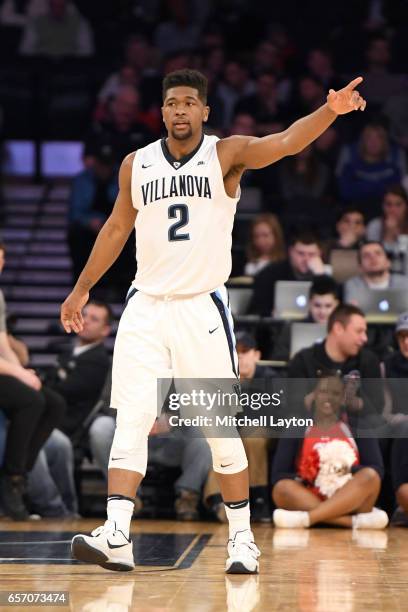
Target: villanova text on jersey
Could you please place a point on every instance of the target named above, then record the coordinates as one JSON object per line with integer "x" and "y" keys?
{"x": 182, "y": 185}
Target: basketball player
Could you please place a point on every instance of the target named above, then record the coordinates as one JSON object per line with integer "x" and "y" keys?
{"x": 180, "y": 193}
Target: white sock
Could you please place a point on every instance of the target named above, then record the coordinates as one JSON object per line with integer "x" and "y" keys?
{"x": 376, "y": 519}
{"x": 238, "y": 515}
{"x": 120, "y": 511}
{"x": 291, "y": 519}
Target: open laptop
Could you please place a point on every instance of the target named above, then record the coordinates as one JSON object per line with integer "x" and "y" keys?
{"x": 303, "y": 335}
{"x": 382, "y": 305}
{"x": 291, "y": 299}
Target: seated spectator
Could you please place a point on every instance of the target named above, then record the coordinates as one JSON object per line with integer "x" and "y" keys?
{"x": 395, "y": 109}
{"x": 61, "y": 31}
{"x": 343, "y": 353}
{"x": 182, "y": 29}
{"x": 319, "y": 63}
{"x": 263, "y": 105}
{"x": 18, "y": 346}
{"x": 304, "y": 176}
{"x": 93, "y": 195}
{"x": 311, "y": 94}
{"x": 323, "y": 299}
{"x": 396, "y": 372}
{"x": 137, "y": 71}
{"x": 379, "y": 81}
{"x": 266, "y": 244}
{"x": 120, "y": 129}
{"x": 328, "y": 476}
{"x": 393, "y": 222}
{"x": 303, "y": 263}
{"x": 79, "y": 375}
{"x": 51, "y": 491}
{"x": 350, "y": 229}
{"x": 256, "y": 443}
{"x": 234, "y": 86}
{"x": 32, "y": 410}
{"x": 368, "y": 167}
{"x": 375, "y": 273}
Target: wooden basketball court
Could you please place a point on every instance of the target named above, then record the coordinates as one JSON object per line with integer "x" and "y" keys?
{"x": 180, "y": 567}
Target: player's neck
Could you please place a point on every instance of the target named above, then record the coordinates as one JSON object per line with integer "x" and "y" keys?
{"x": 181, "y": 148}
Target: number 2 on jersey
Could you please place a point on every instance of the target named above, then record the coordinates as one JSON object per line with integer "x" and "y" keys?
{"x": 180, "y": 212}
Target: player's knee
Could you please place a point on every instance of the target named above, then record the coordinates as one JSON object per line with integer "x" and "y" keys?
{"x": 228, "y": 455}
{"x": 129, "y": 447}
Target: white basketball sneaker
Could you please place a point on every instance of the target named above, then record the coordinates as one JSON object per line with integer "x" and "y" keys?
{"x": 242, "y": 554}
{"x": 106, "y": 546}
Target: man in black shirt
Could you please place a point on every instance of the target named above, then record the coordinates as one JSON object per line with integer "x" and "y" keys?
{"x": 342, "y": 353}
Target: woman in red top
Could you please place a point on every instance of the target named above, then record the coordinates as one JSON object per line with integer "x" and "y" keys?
{"x": 328, "y": 477}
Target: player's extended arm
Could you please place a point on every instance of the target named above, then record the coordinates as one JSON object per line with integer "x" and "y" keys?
{"x": 250, "y": 152}
{"x": 108, "y": 245}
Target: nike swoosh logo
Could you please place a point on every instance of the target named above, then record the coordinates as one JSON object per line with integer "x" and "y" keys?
{"x": 116, "y": 458}
{"x": 116, "y": 545}
{"x": 227, "y": 465}
{"x": 147, "y": 165}
{"x": 211, "y": 331}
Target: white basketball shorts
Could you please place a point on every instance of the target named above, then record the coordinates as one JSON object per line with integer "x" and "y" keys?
{"x": 165, "y": 338}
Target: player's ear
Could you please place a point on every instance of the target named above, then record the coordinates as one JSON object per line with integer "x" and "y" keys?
{"x": 206, "y": 112}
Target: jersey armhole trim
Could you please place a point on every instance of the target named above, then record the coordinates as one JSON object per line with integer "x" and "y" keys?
{"x": 235, "y": 198}
{"x": 133, "y": 181}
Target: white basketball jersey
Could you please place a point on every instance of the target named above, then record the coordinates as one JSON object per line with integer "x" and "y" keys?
{"x": 184, "y": 221}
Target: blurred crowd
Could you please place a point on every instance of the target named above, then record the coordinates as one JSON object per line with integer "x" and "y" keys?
{"x": 92, "y": 72}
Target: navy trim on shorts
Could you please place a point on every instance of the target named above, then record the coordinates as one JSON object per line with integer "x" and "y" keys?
{"x": 131, "y": 294}
{"x": 221, "y": 309}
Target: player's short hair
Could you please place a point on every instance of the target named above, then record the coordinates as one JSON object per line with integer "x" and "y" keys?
{"x": 187, "y": 78}
{"x": 323, "y": 285}
{"x": 342, "y": 314}
{"x": 108, "y": 309}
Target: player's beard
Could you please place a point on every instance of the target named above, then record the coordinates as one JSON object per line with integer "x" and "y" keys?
{"x": 185, "y": 136}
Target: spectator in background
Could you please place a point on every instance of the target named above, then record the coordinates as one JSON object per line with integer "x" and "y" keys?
{"x": 396, "y": 111}
{"x": 182, "y": 29}
{"x": 368, "y": 167}
{"x": 269, "y": 57}
{"x": 303, "y": 263}
{"x": 80, "y": 374}
{"x": 393, "y": 222}
{"x": 375, "y": 273}
{"x": 304, "y": 176}
{"x": 59, "y": 32}
{"x": 328, "y": 476}
{"x": 319, "y": 63}
{"x": 343, "y": 353}
{"x": 311, "y": 94}
{"x": 93, "y": 194}
{"x": 33, "y": 411}
{"x": 119, "y": 128}
{"x": 323, "y": 299}
{"x": 379, "y": 82}
{"x": 263, "y": 105}
{"x": 350, "y": 229}
{"x": 234, "y": 86}
{"x": 396, "y": 373}
{"x": 137, "y": 71}
{"x": 266, "y": 243}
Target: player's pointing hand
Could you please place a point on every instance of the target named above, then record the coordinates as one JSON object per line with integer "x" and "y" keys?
{"x": 347, "y": 99}
{"x": 71, "y": 312}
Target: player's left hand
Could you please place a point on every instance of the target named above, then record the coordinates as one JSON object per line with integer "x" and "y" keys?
{"x": 347, "y": 99}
